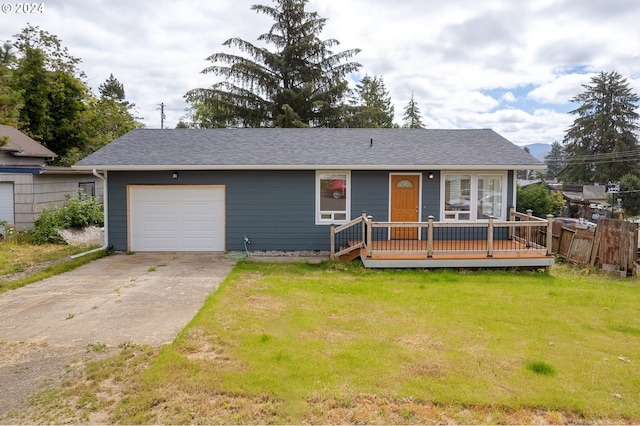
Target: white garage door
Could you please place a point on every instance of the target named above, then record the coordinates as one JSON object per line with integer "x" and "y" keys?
{"x": 176, "y": 218}
{"x": 6, "y": 202}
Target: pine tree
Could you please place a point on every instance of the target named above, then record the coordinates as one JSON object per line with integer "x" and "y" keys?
{"x": 411, "y": 118}
{"x": 371, "y": 106}
{"x": 601, "y": 145}
{"x": 301, "y": 72}
{"x": 554, "y": 160}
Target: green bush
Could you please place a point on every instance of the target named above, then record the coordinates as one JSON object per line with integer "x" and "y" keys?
{"x": 75, "y": 213}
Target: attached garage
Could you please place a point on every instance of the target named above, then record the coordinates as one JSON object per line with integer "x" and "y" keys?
{"x": 176, "y": 217}
{"x": 6, "y": 202}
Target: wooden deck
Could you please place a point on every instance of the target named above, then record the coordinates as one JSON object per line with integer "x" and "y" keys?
{"x": 451, "y": 254}
{"x": 525, "y": 241}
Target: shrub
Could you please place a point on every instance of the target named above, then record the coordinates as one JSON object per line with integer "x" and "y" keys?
{"x": 75, "y": 213}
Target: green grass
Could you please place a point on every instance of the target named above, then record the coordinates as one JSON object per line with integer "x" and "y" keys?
{"x": 50, "y": 271}
{"x": 17, "y": 257}
{"x": 297, "y": 343}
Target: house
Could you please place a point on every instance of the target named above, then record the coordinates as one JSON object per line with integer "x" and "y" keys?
{"x": 589, "y": 202}
{"x": 283, "y": 189}
{"x": 28, "y": 185}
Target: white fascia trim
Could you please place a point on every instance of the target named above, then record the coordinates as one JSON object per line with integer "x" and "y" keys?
{"x": 133, "y": 168}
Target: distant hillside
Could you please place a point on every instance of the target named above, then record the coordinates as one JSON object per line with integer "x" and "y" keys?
{"x": 539, "y": 150}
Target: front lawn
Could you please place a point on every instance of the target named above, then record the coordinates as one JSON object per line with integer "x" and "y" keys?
{"x": 333, "y": 343}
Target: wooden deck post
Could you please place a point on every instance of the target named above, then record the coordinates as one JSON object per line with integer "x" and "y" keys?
{"x": 332, "y": 250}
{"x": 364, "y": 227}
{"x": 549, "y": 234}
{"x": 490, "y": 238}
{"x": 369, "y": 246}
{"x": 511, "y": 218}
{"x": 430, "y": 238}
{"x": 528, "y": 241}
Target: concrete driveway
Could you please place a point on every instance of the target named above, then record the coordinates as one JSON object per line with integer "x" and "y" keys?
{"x": 140, "y": 298}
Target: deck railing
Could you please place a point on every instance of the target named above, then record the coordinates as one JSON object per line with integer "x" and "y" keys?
{"x": 521, "y": 234}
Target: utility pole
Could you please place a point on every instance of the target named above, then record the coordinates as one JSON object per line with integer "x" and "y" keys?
{"x": 162, "y": 116}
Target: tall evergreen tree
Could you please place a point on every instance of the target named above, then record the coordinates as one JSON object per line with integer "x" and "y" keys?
{"x": 112, "y": 89}
{"x": 601, "y": 145}
{"x": 371, "y": 105}
{"x": 411, "y": 118}
{"x": 525, "y": 174}
{"x": 554, "y": 160}
{"x": 301, "y": 72}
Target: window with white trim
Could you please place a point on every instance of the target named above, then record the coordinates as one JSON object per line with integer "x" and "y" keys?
{"x": 333, "y": 194}
{"x": 473, "y": 196}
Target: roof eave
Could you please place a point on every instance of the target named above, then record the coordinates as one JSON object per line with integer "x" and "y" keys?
{"x": 201, "y": 167}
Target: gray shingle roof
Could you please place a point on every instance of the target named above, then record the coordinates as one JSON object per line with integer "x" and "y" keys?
{"x": 309, "y": 149}
{"x": 22, "y": 145}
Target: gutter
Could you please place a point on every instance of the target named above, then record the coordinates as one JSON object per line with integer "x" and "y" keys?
{"x": 106, "y": 217}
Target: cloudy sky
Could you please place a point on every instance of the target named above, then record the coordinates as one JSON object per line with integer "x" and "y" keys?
{"x": 512, "y": 66}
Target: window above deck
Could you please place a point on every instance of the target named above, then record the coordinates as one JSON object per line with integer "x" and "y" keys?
{"x": 473, "y": 196}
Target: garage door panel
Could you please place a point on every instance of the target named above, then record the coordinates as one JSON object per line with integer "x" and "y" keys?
{"x": 177, "y": 218}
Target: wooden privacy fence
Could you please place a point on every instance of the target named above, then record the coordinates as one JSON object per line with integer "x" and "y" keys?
{"x": 611, "y": 246}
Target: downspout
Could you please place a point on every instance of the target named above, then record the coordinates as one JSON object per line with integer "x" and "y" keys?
{"x": 105, "y": 205}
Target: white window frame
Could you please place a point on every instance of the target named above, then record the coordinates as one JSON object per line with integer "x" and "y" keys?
{"x": 347, "y": 212}
{"x": 473, "y": 202}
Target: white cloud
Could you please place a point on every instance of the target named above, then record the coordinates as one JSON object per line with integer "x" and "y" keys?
{"x": 449, "y": 54}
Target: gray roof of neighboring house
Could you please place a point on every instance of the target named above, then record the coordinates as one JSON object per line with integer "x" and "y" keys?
{"x": 22, "y": 145}
{"x": 316, "y": 148}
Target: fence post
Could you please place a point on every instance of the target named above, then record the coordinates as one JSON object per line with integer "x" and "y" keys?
{"x": 549, "y": 234}
{"x": 430, "y": 238}
{"x": 490, "y": 237}
{"x": 332, "y": 251}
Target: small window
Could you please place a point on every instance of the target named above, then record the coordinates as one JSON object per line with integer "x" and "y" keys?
{"x": 332, "y": 197}
{"x": 86, "y": 190}
{"x": 404, "y": 183}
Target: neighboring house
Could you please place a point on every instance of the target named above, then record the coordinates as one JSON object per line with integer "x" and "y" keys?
{"x": 589, "y": 202}
{"x": 205, "y": 190}
{"x": 27, "y": 185}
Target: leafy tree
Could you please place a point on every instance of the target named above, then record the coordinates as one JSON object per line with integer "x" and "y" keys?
{"x": 630, "y": 194}
{"x": 10, "y": 96}
{"x": 55, "y": 56}
{"x": 411, "y": 118}
{"x": 558, "y": 203}
{"x": 536, "y": 198}
{"x": 301, "y": 72}
{"x": 105, "y": 119}
{"x": 52, "y": 90}
{"x": 554, "y": 160}
{"x": 371, "y": 105}
{"x": 601, "y": 145}
{"x": 53, "y": 104}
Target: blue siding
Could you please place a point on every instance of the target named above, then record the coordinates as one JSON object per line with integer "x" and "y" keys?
{"x": 275, "y": 209}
